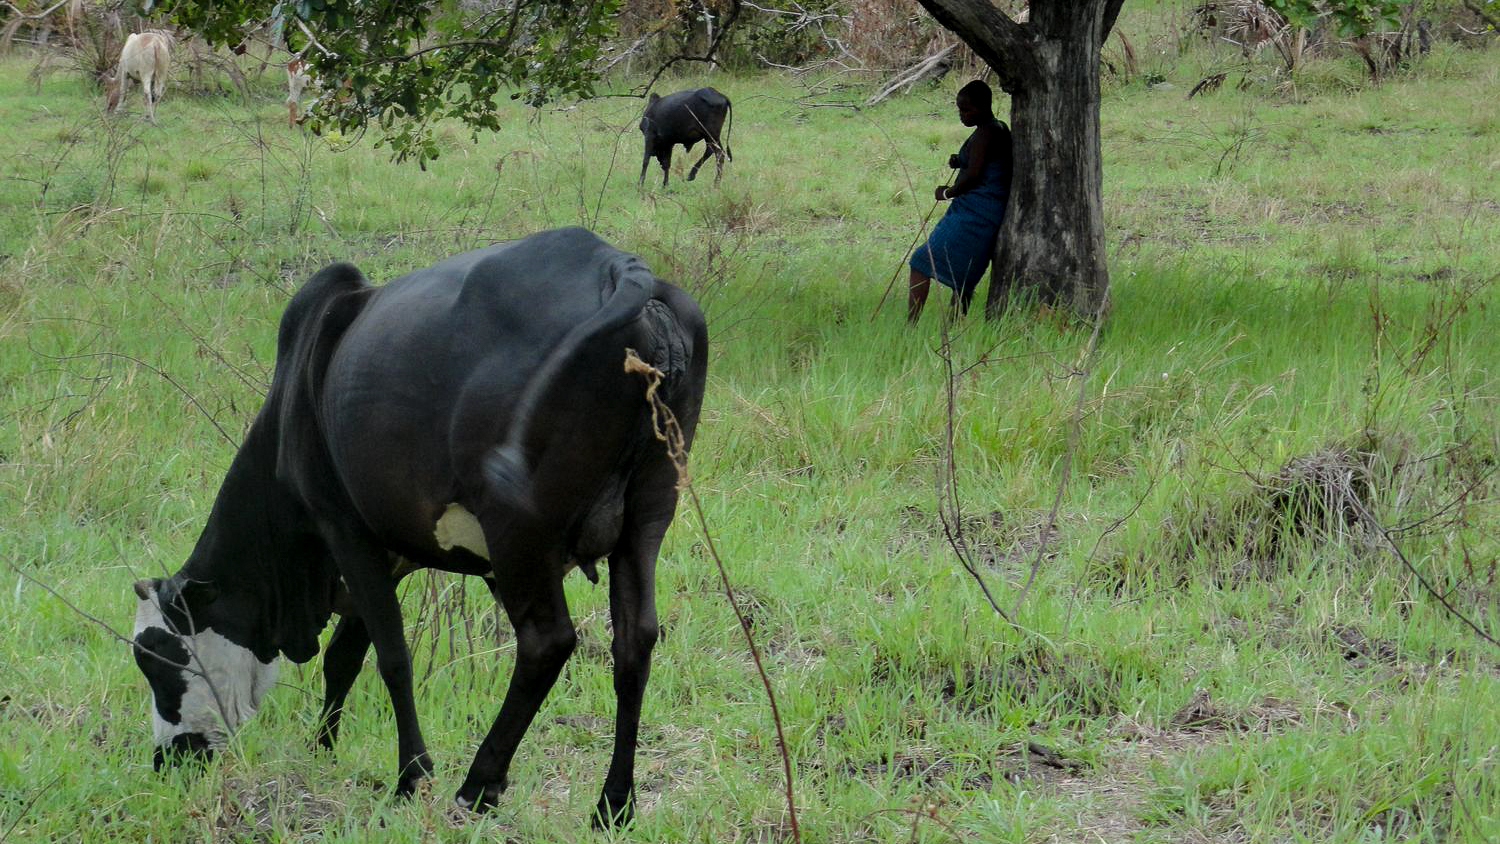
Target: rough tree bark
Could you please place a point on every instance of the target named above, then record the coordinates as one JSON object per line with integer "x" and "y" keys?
{"x": 1052, "y": 242}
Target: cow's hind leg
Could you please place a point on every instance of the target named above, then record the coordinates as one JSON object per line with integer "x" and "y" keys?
{"x": 708, "y": 150}
{"x": 530, "y": 589}
{"x": 366, "y": 572}
{"x": 342, "y": 659}
{"x": 148, "y": 89}
{"x": 632, "y": 607}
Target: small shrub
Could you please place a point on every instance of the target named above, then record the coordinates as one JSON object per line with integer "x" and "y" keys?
{"x": 1321, "y": 496}
{"x": 197, "y": 170}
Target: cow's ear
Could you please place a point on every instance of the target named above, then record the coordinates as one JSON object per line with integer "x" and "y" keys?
{"x": 146, "y": 587}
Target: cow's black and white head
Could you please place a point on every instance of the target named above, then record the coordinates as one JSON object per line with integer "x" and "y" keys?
{"x": 203, "y": 685}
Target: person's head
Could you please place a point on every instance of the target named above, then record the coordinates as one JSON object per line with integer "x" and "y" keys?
{"x": 974, "y": 103}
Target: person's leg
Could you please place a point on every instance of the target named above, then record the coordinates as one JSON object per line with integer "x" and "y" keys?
{"x": 916, "y": 294}
{"x": 956, "y": 308}
{"x": 962, "y": 299}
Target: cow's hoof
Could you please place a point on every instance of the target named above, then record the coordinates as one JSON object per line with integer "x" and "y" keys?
{"x": 412, "y": 776}
{"x": 479, "y": 798}
{"x": 614, "y": 814}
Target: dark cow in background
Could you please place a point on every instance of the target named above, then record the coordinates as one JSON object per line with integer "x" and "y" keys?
{"x": 686, "y": 118}
{"x": 475, "y": 417}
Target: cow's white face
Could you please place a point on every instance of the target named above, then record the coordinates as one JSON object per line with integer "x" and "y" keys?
{"x": 203, "y": 686}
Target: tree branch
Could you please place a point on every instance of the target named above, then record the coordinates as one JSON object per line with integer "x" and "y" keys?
{"x": 1369, "y": 519}
{"x": 1005, "y": 45}
{"x": 39, "y": 15}
{"x": 725, "y": 25}
{"x": 1477, "y": 10}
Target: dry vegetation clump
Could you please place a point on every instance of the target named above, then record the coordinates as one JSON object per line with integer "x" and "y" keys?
{"x": 1203, "y": 714}
{"x": 1326, "y": 496}
{"x": 926, "y": 765}
{"x": 1254, "y": 26}
{"x": 1359, "y": 495}
{"x": 85, "y": 41}
{"x": 873, "y": 36}
{"x": 891, "y": 34}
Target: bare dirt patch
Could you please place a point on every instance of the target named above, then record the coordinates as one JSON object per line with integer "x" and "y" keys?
{"x": 260, "y": 810}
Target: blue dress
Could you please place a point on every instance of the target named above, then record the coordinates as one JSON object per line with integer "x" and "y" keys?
{"x": 962, "y": 243}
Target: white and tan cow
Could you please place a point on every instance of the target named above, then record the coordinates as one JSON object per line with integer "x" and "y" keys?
{"x": 146, "y": 58}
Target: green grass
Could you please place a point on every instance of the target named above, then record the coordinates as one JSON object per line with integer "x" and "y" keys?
{"x": 1291, "y": 269}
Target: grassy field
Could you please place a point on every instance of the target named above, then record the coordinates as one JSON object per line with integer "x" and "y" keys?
{"x": 1218, "y": 644}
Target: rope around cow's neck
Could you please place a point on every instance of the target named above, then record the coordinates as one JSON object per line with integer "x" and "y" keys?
{"x": 894, "y": 275}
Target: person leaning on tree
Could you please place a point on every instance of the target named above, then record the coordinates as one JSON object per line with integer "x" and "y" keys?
{"x": 962, "y": 243}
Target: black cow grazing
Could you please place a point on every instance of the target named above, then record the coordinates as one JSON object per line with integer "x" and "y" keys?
{"x": 475, "y": 417}
{"x": 686, "y": 118}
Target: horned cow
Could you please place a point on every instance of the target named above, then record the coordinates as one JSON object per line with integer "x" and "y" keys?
{"x": 475, "y": 416}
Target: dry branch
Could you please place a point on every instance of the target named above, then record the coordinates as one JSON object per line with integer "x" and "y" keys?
{"x": 934, "y": 66}
{"x": 1479, "y": 12}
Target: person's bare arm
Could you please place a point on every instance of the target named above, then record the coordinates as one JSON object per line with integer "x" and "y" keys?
{"x": 970, "y": 176}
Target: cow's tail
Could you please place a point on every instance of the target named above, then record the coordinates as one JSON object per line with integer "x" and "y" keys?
{"x": 561, "y": 398}
{"x": 729, "y": 129}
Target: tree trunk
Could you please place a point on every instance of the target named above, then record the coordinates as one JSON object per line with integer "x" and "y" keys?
{"x": 1051, "y": 245}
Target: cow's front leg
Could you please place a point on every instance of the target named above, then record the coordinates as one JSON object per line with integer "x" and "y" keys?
{"x": 342, "y": 660}
{"x": 545, "y": 638}
{"x": 665, "y": 160}
{"x": 373, "y": 591}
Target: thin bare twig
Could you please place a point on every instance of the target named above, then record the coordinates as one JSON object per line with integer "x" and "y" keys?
{"x": 1120, "y": 522}
{"x": 1370, "y": 520}
{"x": 1081, "y": 371}
{"x": 950, "y": 506}
{"x": 99, "y": 621}
{"x": 665, "y": 425}
{"x": 921, "y": 229}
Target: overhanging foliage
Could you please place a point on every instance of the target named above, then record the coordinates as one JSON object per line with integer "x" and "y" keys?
{"x": 401, "y": 65}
